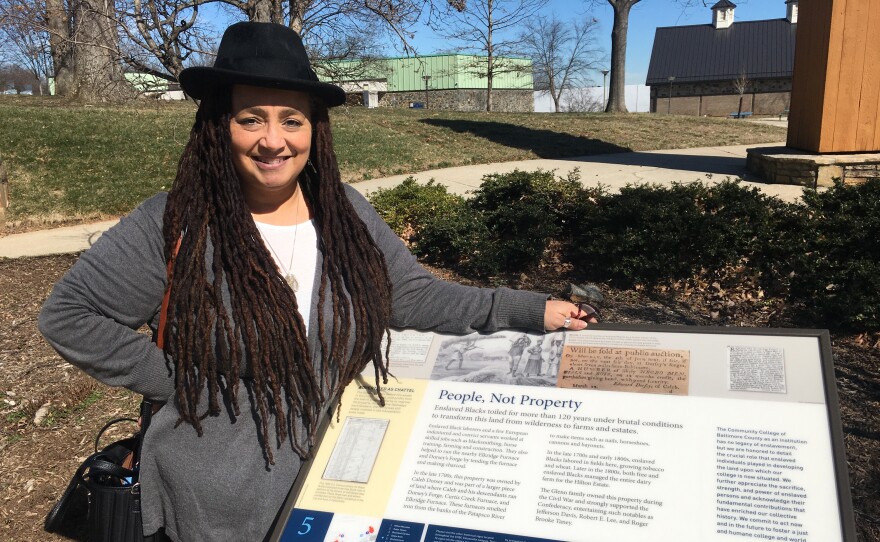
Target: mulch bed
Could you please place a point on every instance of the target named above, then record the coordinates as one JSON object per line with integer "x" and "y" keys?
{"x": 37, "y": 460}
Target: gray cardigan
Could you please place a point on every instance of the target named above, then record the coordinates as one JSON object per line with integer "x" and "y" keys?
{"x": 220, "y": 486}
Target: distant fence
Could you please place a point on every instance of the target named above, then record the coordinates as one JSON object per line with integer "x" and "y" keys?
{"x": 638, "y": 99}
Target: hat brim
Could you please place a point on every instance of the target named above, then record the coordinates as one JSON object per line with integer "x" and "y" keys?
{"x": 200, "y": 81}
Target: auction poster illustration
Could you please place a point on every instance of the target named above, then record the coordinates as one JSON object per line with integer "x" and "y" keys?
{"x": 625, "y": 435}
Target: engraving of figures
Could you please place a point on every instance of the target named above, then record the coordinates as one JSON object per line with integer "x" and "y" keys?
{"x": 501, "y": 357}
{"x": 516, "y": 352}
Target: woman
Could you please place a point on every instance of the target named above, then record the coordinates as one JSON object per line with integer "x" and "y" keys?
{"x": 555, "y": 355}
{"x": 533, "y": 364}
{"x": 280, "y": 280}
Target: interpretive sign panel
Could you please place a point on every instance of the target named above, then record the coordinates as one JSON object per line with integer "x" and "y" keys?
{"x": 624, "y": 434}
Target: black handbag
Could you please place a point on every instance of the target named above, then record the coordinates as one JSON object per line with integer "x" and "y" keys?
{"x": 102, "y": 502}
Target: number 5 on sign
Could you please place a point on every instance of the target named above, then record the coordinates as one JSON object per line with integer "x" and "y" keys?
{"x": 306, "y": 526}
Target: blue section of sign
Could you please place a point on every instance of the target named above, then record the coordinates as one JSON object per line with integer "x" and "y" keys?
{"x": 400, "y": 531}
{"x": 438, "y": 533}
{"x": 306, "y": 526}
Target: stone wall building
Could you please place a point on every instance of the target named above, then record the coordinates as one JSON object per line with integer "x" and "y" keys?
{"x": 450, "y": 82}
{"x": 701, "y": 69}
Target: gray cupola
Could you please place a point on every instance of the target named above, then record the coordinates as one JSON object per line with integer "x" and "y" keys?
{"x": 791, "y": 11}
{"x": 722, "y": 14}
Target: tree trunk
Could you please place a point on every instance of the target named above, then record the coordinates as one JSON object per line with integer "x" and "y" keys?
{"x": 489, "y": 83}
{"x": 490, "y": 67}
{"x": 740, "y": 108}
{"x": 4, "y": 195}
{"x": 297, "y": 14}
{"x": 98, "y": 73}
{"x": 58, "y": 21}
{"x": 85, "y": 48}
{"x": 617, "y": 86}
{"x": 265, "y": 11}
{"x": 556, "y": 96}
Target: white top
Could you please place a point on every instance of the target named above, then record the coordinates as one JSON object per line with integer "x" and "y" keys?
{"x": 295, "y": 251}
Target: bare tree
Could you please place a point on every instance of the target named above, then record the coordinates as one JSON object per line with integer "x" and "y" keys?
{"x": 82, "y": 41}
{"x": 349, "y": 29}
{"x": 348, "y": 56}
{"x": 26, "y": 46}
{"x": 486, "y": 26}
{"x": 171, "y": 33}
{"x": 619, "y": 29}
{"x": 582, "y": 102}
{"x": 741, "y": 84}
{"x": 17, "y": 77}
{"x": 162, "y": 35}
{"x": 562, "y": 53}
{"x": 92, "y": 41}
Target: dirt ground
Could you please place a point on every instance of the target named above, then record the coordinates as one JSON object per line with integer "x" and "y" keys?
{"x": 37, "y": 460}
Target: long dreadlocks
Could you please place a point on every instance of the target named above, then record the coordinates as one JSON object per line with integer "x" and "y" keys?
{"x": 230, "y": 312}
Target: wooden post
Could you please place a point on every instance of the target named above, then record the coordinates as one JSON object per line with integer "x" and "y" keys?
{"x": 835, "y": 97}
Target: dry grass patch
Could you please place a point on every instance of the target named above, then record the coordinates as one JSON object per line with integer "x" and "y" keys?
{"x": 99, "y": 162}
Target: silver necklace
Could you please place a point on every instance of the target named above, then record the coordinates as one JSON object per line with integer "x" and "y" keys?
{"x": 289, "y": 277}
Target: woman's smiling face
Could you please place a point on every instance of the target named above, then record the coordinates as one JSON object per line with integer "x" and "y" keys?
{"x": 271, "y": 136}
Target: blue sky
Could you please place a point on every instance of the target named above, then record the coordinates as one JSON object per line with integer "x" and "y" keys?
{"x": 645, "y": 17}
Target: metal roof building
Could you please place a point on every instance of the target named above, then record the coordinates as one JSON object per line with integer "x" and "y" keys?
{"x": 760, "y": 49}
{"x": 694, "y": 69}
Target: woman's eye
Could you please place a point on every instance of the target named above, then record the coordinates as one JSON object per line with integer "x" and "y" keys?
{"x": 292, "y": 123}
{"x": 248, "y": 122}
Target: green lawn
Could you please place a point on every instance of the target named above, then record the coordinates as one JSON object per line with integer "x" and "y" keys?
{"x": 81, "y": 163}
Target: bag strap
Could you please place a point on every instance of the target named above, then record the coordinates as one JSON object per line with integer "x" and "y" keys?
{"x": 97, "y": 464}
{"x": 146, "y": 409}
{"x": 107, "y": 426}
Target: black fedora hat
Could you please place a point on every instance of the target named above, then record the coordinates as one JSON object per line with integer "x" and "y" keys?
{"x": 263, "y": 55}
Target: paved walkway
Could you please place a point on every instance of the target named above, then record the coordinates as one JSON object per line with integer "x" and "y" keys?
{"x": 708, "y": 164}
{"x": 614, "y": 171}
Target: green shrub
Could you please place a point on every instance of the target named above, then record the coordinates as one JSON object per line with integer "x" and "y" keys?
{"x": 776, "y": 252}
{"x": 735, "y": 222}
{"x": 407, "y": 206}
{"x": 643, "y": 235}
{"x": 822, "y": 256}
{"x": 521, "y": 213}
{"x": 836, "y": 277}
{"x": 650, "y": 234}
{"x": 439, "y": 226}
{"x": 455, "y": 239}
